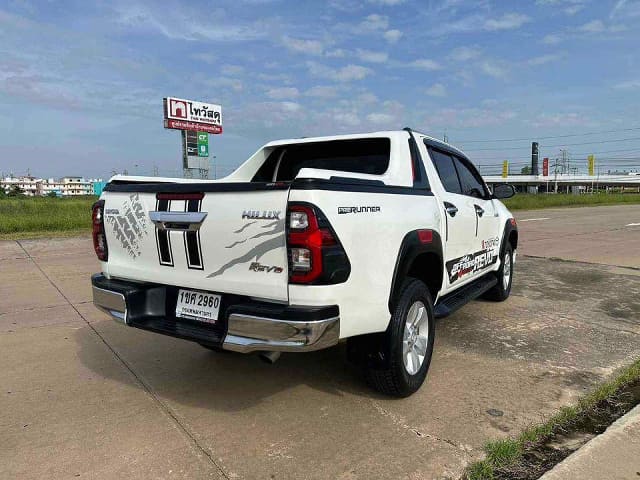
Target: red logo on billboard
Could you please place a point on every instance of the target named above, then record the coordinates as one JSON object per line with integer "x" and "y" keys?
{"x": 177, "y": 108}
{"x": 545, "y": 167}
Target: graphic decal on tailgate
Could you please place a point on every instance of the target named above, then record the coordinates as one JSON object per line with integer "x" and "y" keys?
{"x": 129, "y": 224}
{"x": 276, "y": 240}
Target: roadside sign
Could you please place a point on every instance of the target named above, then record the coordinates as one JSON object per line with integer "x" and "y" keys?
{"x": 505, "y": 169}
{"x": 545, "y": 167}
{"x": 182, "y": 114}
{"x": 591, "y": 159}
{"x": 191, "y": 140}
{"x": 203, "y": 144}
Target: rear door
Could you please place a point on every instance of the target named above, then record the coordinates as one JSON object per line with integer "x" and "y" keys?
{"x": 487, "y": 241}
{"x": 219, "y": 237}
{"x": 460, "y": 221}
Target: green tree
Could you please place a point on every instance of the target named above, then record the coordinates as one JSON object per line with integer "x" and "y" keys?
{"x": 15, "y": 191}
{"x": 526, "y": 170}
{"x": 3, "y": 193}
{"x": 52, "y": 194}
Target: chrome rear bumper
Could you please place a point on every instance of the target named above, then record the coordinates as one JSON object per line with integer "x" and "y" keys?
{"x": 243, "y": 325}
{"x": 248, "y": 333}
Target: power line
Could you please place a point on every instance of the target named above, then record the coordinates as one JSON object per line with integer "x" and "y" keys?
{"x": 550, "y": 137}
{"x": 559, "y": 144}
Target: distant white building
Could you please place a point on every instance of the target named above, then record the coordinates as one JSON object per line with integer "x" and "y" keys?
{"x": 65, "y": 186}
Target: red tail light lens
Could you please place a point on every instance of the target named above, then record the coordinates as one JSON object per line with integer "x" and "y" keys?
{"x": 99, "y": 237}
{"x": 306, "y": 240}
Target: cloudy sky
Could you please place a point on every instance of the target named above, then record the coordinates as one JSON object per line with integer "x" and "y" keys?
{"x": 81, "y": 83}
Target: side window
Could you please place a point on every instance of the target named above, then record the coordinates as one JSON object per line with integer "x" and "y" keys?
{"x": 469, "y": 179}
{"x": 446, "y": 171}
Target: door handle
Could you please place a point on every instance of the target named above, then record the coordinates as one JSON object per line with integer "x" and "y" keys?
{"x": 450, "y": 208}
{"x": 479, "y": 210}
{"x": 182, "y": 221}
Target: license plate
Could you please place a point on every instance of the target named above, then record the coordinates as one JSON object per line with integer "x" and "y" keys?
{"x": 203, "y": 307}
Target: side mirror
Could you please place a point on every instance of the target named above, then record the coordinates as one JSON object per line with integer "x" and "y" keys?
{"x": 504, "y": 190}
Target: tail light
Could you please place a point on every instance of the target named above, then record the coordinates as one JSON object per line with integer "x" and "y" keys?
{"x": 315, "y": 254}
{"x": 99, "y": 237}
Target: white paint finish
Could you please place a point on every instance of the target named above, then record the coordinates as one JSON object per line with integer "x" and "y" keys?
{"x": 371, "y": 240}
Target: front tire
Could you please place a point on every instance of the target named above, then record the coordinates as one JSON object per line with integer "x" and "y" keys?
{"x": 406, "y": 346}
{"x": 501, "y": 291}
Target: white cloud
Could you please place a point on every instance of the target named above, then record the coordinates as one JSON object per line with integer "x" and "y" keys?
{"x": 321, "y": 91}
{"x": 375, "y": 22}
{"x": 372, "y": 56}
{"x": 300, "y": 45}
{"x": 508, "y": 21}
{"x": 437, "y": 90}
{"x": 336, "y": 53}
{"x": 561, "y": 119}
{"x": 232, "y": 69}
{"x": 594, "y": 26}
{"x": 628, "y": 85}
{"x": 381, "y": 118}
{"x": 392, "y": 36}
{"x": 625, "y": 9}
{"x": 349, "y": 119}
{"x": 345, "y": 74}
{"x": 494, "y": 69}
{"x": 464, "y": 54}
{"x": 425, "y": 64}
{"x": 282, "y": 93}
{"x": 544, "y": 59}
{"x": 290, "y": 106}
{"x": 209, "y": 58}
{"x": 367, "y": 98}
{"x": 570, "y": 7}
{"x": 552, "y": 39}
{"x": 386, "y": 2}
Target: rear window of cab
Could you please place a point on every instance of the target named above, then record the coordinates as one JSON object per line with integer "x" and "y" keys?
{"x": 363, "y": 155}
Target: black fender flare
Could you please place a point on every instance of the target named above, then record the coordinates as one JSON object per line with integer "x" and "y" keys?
{"x": 410, "y": 247}
{"x": 509, "y": 226}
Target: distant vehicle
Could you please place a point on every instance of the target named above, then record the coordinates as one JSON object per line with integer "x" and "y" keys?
{"x": 365, "y": 238}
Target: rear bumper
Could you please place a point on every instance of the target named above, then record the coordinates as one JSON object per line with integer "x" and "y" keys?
{"x": 243, "y": 325}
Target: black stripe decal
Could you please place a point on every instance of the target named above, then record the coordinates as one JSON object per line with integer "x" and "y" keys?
{"x": 163, "y": 239}
{"x": 192, "y": 239}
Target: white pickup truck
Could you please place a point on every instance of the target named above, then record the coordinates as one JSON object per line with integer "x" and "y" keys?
{"x": 366, "y": 238}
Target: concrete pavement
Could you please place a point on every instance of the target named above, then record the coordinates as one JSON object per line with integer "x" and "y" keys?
{"x": 84, "y": 396}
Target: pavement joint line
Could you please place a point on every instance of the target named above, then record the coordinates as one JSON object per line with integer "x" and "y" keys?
{"x": 48, "y": 307}
{"x": 399, "y": 422}
{"x": 578, "y": 261}
{"x": 163, "y": 407}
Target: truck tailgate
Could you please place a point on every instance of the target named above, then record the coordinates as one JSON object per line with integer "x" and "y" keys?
{"x": 238, "y": 247}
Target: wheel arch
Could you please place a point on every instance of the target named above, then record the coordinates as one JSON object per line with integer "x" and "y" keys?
{"x": 421, "y": 260}
{"x": 510, "y": 235}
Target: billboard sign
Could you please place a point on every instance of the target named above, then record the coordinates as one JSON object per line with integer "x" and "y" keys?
{"x": 545, "y": 167}
{"x": 203, "y": 144}
{"x": 505, "y": 169}
{"x": 591, "y": 161}
{"x": 192, "y": 115}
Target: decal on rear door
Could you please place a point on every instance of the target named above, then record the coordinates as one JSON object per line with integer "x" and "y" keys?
{"x": 461, "y": 267}
{"x": 129, "y": 224}
{"x": 274, "y": 241}
{"x": 191, "y": 240}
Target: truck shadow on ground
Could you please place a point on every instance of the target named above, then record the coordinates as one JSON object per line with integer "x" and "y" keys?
{"x": 187, "y": 373}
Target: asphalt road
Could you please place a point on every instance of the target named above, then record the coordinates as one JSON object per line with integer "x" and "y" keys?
{"x": 83, "y": 396}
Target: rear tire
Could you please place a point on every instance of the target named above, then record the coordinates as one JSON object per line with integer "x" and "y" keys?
{"x": 406, "y": 347}
{"x": 501, "y": 291}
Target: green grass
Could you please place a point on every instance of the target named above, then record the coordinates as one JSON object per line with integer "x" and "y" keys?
{"x": 524, "y": 201}
{"x": 507, "y": 452}
{"x": 28, "y": 217}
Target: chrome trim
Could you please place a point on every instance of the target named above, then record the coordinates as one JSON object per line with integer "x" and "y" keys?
{"x": 112, "y": 303}
{"x": 180, "y": 221}
{"x": 248, "y": 333}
